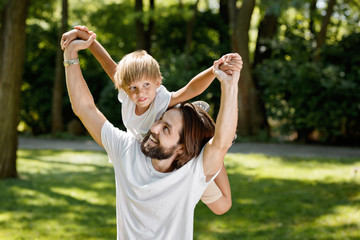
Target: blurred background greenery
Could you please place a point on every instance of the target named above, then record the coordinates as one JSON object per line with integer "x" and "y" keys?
{"x": 300, "y": 81}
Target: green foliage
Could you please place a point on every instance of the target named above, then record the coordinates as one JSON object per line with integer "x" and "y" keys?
{"x": 38, "y": 78}
{"x": 301, "y": 95}
{"x": 208, "y": 45}
{"x": 305, "y": 96}
{"x": 71, "y": 195}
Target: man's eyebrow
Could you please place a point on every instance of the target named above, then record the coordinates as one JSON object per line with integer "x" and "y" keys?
{"x": 165, "y": 122}
{"x": 168, "y": 125}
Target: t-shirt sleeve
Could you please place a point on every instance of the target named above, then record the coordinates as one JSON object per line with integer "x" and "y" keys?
{"x": 122, "y": 95}
{"x": 199, "y": 174}
{"x": 114, "y": 141}
{"x": 162, "y": 100}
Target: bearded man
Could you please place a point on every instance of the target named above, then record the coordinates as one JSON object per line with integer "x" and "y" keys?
{"x": 160, "y": 180}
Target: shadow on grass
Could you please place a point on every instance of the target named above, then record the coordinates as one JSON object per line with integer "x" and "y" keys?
{"x": 71, "y": 195}
{"x": 56, "y": 199}
{"x": 278, "y": 209}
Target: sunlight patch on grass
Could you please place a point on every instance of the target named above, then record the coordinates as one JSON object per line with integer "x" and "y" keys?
{"x": 341, "y": 216}
{"x": 263, "y": 166}
{"x": 81, "y": 195}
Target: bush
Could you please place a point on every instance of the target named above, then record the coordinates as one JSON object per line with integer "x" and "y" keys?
{"x": 307, "y": 96}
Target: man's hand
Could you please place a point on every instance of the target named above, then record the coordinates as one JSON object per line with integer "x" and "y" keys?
{"x": 77, "y": 45}
{"x": 231, "y": 62}
{"x": 224, "y": 76}
{"x": 81, "y": 32}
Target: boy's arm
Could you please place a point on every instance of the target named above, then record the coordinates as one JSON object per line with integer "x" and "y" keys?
{"x": 226, "y": 122}
{"x": 100, "y": 53}
{"x": 197, "y": 85}
{"x": 194, "y": 88}
{"x": 104, "y": 58}
{"x": 223, "y": 204}
{"x": 81, "y": 99}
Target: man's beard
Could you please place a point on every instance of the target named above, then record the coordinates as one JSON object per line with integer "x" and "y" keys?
{"x": 156, "y": 152}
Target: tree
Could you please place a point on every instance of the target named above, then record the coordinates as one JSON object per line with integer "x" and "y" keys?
{"x": 250, "y": 116}
{"x": 143, "y": 32}
{"x": 321, "y": 36}
{"x": 57, "y": 97}
{"x": 12, "y": 50}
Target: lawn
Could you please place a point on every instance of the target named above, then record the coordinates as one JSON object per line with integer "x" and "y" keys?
{"x": 71, "y": 195}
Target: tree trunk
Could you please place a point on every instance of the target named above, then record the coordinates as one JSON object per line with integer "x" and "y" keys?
{"x": 267, "y": 31}
{"x": 57, "y": 97}
{"x": 11, "y": 69}
{"x": 224, "y": 15}
{"x": 312, "y": 11}
{"x": 140, "y": 33}
{"x": 143, "y": 34}
{"x": 250, "y": 117}
{"x": 150, "y": 29}
{"x": 190, "y": 25}
{"x": 320, "y": 39}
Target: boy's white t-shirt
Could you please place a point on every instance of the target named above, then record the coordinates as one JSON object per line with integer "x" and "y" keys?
{"x": 152, "y": 204}
{"x": 140, "y": 125}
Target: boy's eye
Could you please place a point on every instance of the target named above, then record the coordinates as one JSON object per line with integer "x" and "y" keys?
{"x": 146, "y": 84}
{"x": 132, "y": 88}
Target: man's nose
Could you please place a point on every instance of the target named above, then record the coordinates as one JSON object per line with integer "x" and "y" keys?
{"x": 155, "y": 127}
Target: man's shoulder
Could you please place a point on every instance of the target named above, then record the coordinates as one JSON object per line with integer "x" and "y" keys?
{"x": 111, "y": 135}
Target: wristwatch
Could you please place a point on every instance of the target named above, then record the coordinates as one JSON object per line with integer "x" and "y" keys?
{"x": 70, "y": 62}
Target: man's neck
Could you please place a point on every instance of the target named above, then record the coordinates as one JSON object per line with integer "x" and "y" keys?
{"x": 163, "y": 166}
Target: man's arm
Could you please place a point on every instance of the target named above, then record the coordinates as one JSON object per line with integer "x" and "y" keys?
{"x": 223, "y": 204}
{"x": 200, "y": 82}
{"x": 81, "y": 99}
{"x": 99, "y": 52}
{"x": 226, "y": 122}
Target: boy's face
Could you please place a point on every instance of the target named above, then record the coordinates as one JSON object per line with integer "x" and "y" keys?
{"x": 143, "y": 92}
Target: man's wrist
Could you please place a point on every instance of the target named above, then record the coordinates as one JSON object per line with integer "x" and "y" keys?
{"x": 70, "y": 62}
{"x": 70, "y": 53}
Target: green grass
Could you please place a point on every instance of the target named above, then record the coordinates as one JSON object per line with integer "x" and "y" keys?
{"x": 71, "y": 195}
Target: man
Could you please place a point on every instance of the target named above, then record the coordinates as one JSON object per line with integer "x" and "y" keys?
{"x": 160, "y": 181}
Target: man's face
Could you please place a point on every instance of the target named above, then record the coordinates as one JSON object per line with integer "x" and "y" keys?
{"x": 161, "y": 142}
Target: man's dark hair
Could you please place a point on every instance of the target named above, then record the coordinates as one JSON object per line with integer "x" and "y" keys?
{"x": 198, "y": 129}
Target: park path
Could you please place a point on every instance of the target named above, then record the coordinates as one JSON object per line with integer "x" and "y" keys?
{"x": 272, "y": 149}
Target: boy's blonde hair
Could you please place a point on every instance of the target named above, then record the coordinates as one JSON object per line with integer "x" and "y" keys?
{"x": 133, "y": 67}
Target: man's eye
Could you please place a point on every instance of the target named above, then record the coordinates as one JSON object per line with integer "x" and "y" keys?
{"x": 166, "y": 129}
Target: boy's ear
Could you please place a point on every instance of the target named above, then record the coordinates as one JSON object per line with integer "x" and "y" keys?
{"x": 158, "y": 82}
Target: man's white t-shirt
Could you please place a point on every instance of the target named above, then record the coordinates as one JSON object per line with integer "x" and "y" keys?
{"x": 151, "y": 204}
{"x": 140, "y": 125}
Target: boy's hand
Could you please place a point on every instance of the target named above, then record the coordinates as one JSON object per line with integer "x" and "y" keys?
{"x": 223, "y": 77}
{"x": 81, "y": 32}
{"x": 231, "y": 62}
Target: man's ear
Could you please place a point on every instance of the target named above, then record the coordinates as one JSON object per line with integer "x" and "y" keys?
{"x": 180, "y": 149}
